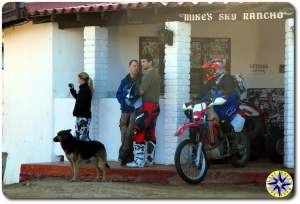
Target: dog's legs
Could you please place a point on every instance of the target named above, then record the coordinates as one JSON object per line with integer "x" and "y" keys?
{"x": 76, "y": 168}
{"x": 97, "y": 169}
{"x": 73, "y": 170}
{"x": 72, "y": 160}
{"x": 104, "y": 173}
{"x": 102, "y": 166}
{"x": 98, "y": 173}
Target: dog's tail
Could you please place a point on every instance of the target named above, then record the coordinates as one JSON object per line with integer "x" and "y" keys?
{"x": 107, "y": 166}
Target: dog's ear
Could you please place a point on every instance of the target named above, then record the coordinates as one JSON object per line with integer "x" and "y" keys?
{"x": 68, "y": 130}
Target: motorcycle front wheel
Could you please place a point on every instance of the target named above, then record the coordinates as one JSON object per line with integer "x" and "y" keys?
{"x": 186, "y": 162}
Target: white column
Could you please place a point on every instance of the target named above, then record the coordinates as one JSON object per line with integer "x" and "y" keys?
{"x": 289, "y": 125}
{"x": 96, "y": 65}
{"x": 177, "y": 84}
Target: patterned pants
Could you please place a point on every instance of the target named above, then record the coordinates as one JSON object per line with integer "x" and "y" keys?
{"x": 82, "y": 128}
{"x": 148, "y": 132}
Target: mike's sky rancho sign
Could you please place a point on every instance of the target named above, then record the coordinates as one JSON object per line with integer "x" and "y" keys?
{"x": 246, "y": 16}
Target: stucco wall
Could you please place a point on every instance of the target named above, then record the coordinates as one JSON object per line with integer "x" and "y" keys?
{"x": 63, "y": 120}
{"x": 67, "y": 58}
{"x": 27, "y": 122}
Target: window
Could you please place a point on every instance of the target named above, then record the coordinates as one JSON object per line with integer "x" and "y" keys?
{"x": 152, "y": 46}
{"x": 202, "y": 50}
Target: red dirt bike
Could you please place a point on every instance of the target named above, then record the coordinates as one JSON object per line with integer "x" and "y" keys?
{"x": 205, "y": 142}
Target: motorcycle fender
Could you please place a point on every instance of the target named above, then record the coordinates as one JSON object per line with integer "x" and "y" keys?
{"x": 249, "y": 111}
{"x": 180, "y": 131}
{"x": 238, "y": 123}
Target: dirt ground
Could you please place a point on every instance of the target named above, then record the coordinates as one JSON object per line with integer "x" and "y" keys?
{"x": 60, "y": 188}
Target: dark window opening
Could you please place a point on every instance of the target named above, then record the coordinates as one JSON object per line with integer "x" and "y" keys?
{"x": 152, "y": 46}
{"x": 202, "y": 49}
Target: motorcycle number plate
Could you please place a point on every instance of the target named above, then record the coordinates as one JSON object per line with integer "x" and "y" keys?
{"x": 238, "y": 123}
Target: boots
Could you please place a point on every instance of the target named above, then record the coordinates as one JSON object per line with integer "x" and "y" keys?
{"x": 139, "y": 156}
{"x": 125, "y": 155}
{"x": 150, "y": 153}
{"x": 234, "y": 144}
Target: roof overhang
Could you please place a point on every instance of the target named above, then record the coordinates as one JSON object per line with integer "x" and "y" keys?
{"x": 79, "y": 14}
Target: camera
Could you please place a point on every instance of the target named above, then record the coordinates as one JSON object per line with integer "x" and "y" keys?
{"x": 71, "y": 85}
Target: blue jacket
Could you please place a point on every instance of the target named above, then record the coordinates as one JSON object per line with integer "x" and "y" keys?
{"x": 127, "y": 86}
{"x": 226, "y": 87}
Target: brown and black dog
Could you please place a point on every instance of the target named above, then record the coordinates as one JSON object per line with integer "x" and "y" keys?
{"x": 77, "y": 151}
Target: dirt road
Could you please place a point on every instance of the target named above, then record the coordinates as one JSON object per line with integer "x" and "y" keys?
{"x": 59, "y": 188}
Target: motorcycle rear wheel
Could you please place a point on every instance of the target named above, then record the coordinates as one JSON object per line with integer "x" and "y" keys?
{"x": 275, "y": 145}
{"x": 181, "y": 162}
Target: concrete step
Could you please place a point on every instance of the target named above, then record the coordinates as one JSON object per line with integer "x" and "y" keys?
{"x": 253, "y": 173}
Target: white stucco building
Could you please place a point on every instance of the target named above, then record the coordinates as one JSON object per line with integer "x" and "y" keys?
{"x": 44, "y": 54}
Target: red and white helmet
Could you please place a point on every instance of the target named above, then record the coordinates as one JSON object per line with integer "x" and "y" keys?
{"x": 214, "y": 68}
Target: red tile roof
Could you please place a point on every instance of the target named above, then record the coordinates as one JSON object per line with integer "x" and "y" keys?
{"x": 49, "y": 8}
{"x": 37, "y": 9}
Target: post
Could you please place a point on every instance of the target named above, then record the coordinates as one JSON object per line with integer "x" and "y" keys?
{"x": 96, "y": 65}
{"x": 177, "y": 84}
{"x": 289, "y": 95}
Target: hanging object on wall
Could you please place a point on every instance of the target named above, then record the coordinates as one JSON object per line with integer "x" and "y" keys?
{"x": 165, "y": 36}
{"x": 281, "y": 68}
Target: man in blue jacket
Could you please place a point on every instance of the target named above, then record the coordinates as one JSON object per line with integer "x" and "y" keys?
{"x": 125, "y": 95}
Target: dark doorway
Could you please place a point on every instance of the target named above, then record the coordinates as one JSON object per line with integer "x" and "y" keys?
{"x": 152, "y": 46}
{"x": 202, "y": 50}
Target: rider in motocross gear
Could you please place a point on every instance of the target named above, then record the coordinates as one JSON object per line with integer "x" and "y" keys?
{"x": 146, "y": 115}
{"x": 223, "y": 96}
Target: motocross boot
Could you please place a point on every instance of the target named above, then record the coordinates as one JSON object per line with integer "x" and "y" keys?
{"x": 139, "y": 156}
{"x": 234, "y": 143}
{"x": 150, "y": 153}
